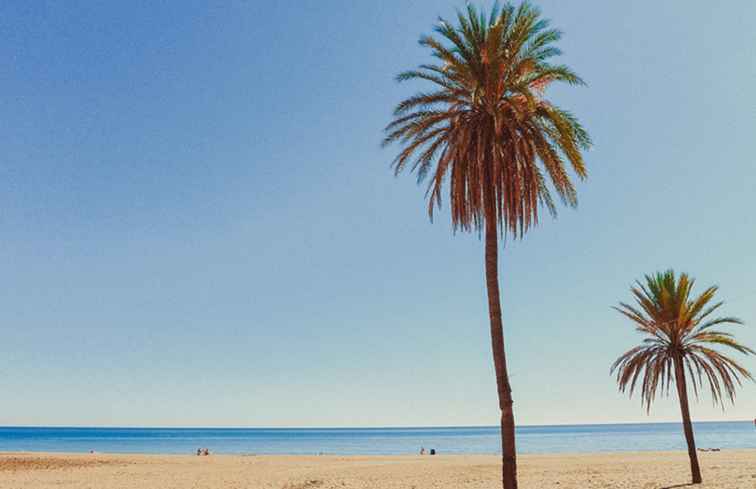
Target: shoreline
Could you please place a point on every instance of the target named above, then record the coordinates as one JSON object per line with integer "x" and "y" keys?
{"x": 617, "y": 453}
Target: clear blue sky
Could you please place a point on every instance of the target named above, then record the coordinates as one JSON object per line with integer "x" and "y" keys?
{"x": 199, "y": 226}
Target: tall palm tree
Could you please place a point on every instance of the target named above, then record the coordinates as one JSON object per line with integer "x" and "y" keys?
{"x": 487, "y": 127}
{"x": 680, "y": 346}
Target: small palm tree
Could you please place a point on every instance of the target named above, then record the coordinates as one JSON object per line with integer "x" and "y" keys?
{"x": 679, "y": 347}
{"x": 487, "y": 129}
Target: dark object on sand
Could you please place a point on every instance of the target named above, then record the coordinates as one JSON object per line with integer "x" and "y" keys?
{"x": 432, "y": 451}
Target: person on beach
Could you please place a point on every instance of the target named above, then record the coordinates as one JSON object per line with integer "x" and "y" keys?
{"x": 422, "y": 450}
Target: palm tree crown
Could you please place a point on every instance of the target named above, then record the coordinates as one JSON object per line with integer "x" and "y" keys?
{"x": 486, "y": 124}
{"x": 679, "y": 327}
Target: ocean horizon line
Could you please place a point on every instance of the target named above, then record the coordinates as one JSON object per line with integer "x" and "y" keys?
{"x": 394, "y": 427}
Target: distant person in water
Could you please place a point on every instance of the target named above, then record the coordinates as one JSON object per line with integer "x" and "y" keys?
{"x": 422, "y": 450}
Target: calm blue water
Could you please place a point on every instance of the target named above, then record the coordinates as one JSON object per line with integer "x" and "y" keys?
{"x": 375, "y": 441}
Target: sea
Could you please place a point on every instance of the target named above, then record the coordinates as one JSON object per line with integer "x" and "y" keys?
{"x": 376, "y": 441}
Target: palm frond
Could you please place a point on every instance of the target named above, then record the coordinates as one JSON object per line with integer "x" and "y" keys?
{"x": 678, "y": 330}
{"x": 484, "y": 126}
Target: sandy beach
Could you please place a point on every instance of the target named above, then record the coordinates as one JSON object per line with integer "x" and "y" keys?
{"x": 648, "y": 470}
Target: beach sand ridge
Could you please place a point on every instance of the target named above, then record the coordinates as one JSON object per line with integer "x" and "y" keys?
{"x": 734, "y": 469}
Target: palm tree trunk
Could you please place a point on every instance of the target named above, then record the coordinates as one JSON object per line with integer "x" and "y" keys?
{"x": 682, "y": 392}
{"x": 508, "y": 454}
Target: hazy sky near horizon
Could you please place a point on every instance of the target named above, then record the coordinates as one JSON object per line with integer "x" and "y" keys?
{"x": 200, "y": 228}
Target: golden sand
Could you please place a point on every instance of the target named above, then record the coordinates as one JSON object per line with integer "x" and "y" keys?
{"x": 649, "y": 470}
